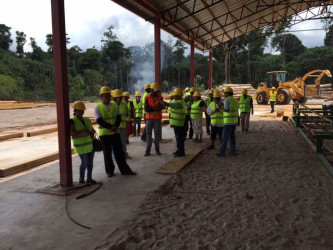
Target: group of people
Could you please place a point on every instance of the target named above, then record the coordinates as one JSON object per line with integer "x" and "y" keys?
{"x": 118, "y": 118}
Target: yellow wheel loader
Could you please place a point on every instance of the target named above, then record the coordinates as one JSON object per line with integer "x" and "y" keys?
{"x": 296, "y": 90}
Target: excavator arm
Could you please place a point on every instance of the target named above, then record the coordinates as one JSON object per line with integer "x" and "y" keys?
{"x": 318, "y": 75}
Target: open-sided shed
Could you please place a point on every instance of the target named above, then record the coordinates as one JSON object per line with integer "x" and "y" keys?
{"x": 204, "y": 24}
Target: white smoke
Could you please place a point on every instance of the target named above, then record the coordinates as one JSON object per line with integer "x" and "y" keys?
{"x": 143, "y": 73}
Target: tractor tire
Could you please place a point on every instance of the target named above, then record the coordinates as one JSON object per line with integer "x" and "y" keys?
{"x": 283, "y": 97}
{"x": 303, "y": 100}
{"x": 262, "y": 98}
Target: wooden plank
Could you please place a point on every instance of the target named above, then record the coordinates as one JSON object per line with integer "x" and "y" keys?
{"x": 178, "y": 163}
{"x": 11, "y": 136}
{"x": 40, "y": 132}
{"x": 19, "y": 167}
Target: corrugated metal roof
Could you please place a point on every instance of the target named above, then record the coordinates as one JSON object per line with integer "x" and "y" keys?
{"x": 214, "y": 22}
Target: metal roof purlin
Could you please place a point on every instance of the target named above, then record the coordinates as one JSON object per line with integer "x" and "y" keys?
{"x": 193, "y": 13}
{"x": 196, "y": 19}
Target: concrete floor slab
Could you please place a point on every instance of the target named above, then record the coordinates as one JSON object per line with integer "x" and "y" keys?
{"x": 32, "y": 220}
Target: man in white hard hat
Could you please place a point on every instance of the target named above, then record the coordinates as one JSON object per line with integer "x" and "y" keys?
{"x": 272, "y": 98}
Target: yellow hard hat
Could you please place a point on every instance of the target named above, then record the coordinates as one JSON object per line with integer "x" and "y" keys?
{"x": 137, "y": 93}
{"x": 104, "y": 90}
{"x": 155, "y": 86}
{"x": 187, "y": 89}
{"x": 147, "y": 86}
{"x": 197, "y": 94}
{"x": 211, "y": 91}
{"x": 178, "y": 91}
{"x": 273, "y": 88}
{"x": 228, "y": 90}
{"x": 216, "y": 94}
{"x": 192, "y": 90}
{"x": 79, "y": 105}
{"x": 126, "y": 94}
{"x": 116, "y": 93}
{"x": 244, "y": 91}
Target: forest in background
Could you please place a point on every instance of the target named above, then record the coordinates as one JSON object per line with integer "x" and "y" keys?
{"x": 30, "y": 75}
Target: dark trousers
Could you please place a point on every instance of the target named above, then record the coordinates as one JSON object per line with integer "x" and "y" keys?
{"x": 207, "y": 123}
{"x": 137, "y": 120}
{"x": 272, "y": 106}
{"x": 216, "y": 131}
{"x": 186, "y": 127}
{"x": 179, "y": 133}
{"x": 229, "y": 132}
{"x": 144, "y": 133}
{"x": 110, "y": 142}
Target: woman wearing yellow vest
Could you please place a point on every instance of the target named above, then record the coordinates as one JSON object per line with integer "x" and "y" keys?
{"x": 177, "y": 120}
{"x": 272, "y": 98}
{"x": 109, "y": 120}
{"x": 216, "y": 116}
{"x": 230, "y": 121}
{"x": 147, "y": 92}
{"x": 82, "y": 134}
{"x": 138, "y": 107}
{"x": 197, "y": 108}
{"x": 130, "y": 115}
{"x": 245, "y": 108}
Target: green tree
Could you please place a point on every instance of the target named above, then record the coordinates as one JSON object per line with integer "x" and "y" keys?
{"x": 74, "y": 54}
{"x": 49, "y": 42}
{"x": 91, "y": 59}
{"x": 5, "y": 35}
{"x": 7, "y": 86}
{"x": 289, "y": 45}
{"x": 93, "y": 80}
{"x": 178, "y": 56}
{"x": 76, "y": 88}
{"x": 328, "y": 41}
{"x": 37, "y": 52}
{"x": 21, "y": 39}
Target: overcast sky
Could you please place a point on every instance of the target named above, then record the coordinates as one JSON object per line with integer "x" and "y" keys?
{"x": 87, "y": 20}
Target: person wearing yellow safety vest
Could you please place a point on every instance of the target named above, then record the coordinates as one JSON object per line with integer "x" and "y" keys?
{"x": 177, "y": 120}
{"x": 188, "y": 101}
{"x": 130, "y": 115}
{"x": 123, "y": 112}
{"x": 138, "y": 108}
{"x": 169, "y": 109}
{"x": 187, "y": 91}
{"x": 82, "y": 134}
{"x": 272, "y": 98}
{"x": 197, "y": 108}
{"x": 108, "y": 119}
{"x": 208, "y": 100}
{"x": 245, "y": 108}
{"x": 216, "y": 115}
{"x": 147, "y": 92}
{"x": 230, "y": 121}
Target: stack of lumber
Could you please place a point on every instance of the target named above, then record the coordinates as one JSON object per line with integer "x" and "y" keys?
{"x": 237, "y": 88}
{"x": 16, "y": 105}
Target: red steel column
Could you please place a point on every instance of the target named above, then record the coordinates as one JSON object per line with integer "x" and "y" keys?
{"x": 210, "y": 79}
{"x": 192, "y": 64}
{"x": 157, "y": 41}
{"x": 61, "y": 82}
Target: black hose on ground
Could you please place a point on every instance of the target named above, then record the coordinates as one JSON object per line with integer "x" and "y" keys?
{"x": 80, "y": 197}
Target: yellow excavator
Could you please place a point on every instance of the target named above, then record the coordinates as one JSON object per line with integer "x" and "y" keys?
{"x": 296, "y": 90}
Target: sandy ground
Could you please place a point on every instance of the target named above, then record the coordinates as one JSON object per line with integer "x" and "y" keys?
{"x": 273, "y": 195}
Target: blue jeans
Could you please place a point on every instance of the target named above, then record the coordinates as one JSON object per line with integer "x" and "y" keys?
{"x": 137, "y": 120}
{"x": 229, "y": 131}
{"x": 87, "y": 161}
{"x": 150, "y": 125}
{"x": 179, "y": 133}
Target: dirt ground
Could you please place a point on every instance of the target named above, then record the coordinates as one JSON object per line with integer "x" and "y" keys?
{"x": 273, "y": 195}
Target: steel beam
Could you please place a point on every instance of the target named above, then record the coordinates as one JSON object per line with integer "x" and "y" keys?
{"x": 210, "y": 79}
{"x": 192, "y": 64}
{"x": 157, "y": 42}
{"x": 61, "y": 82}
